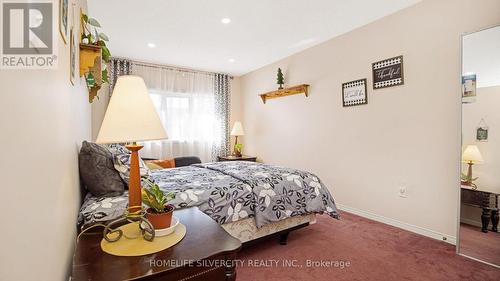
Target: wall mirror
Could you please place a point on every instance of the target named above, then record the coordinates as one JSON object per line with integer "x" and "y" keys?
{"x": 478, "y": 235}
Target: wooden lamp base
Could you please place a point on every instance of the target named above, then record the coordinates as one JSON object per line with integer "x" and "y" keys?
{"x": 135, "y": 211}
{"x": 134, "y": 185}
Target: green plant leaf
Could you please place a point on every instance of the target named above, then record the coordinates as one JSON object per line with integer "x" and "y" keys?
{"x": 103, "y": 36}
{"x": 96, "y": 36}
{"x": 170, "y": 196}
{"x": 149, "y": 199}
{"x": 106, "y": 54}
{"x": 94, "y": 22}
{"x": 105, "y": 78}
{"x": 154, "y": 197}
{"x": 85, "y": 18}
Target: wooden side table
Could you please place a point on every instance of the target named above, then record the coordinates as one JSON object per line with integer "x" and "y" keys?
{"x": 236, "y": 158}
{"x": 488, "y": 201}
{"x": 207, "y": 252}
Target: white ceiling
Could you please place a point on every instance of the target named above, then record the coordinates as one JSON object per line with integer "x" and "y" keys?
{"x": 189, "y": 33}
{"x": 481, "y": 55}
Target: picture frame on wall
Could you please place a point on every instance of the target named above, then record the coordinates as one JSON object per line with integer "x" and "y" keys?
{"x": 354, "y": 93}
{"x": 388, "y": 73}
{"x": 482, "y": 134}
{"x": 482, "y": 131}
{"x": 64, "y": 19}
{"x": 72, "y": 56}
{"x": 469, "y": 85}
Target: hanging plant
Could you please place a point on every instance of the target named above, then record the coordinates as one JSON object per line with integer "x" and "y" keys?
{"x": 96, "y": 74}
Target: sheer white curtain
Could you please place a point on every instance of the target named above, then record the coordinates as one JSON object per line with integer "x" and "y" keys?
{"x": 185, "y": 102}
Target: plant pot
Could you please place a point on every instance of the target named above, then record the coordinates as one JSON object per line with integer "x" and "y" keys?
{"x": 160, "y": 220}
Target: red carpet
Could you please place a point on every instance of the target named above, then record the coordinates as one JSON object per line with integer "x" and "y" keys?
{"x": 375, "y": 251}
{"x": 475, "y": 243}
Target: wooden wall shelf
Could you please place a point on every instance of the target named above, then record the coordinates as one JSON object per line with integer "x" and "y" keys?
{"x": 90, "y": 56}
{"x": 299, "y": 89}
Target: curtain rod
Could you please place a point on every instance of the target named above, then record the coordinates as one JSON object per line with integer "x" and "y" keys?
{"x": 168, "y": 67}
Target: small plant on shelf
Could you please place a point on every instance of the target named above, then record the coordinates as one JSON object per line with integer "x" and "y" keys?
{"x": 280, "y": 80}
{"x": 159, "y": 212}
{"x": 92, "y": 38}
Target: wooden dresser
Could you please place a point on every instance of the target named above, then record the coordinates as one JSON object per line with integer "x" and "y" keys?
{"x": 207, "y": 252}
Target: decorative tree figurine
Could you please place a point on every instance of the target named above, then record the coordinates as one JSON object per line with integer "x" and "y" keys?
{"x": 280, "y": 80}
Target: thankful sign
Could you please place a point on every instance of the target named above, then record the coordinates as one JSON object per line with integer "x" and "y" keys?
{"x": 388, "y": 73}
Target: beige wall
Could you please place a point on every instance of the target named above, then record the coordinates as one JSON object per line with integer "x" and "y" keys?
{"x": 98, "y": 110}
{"x": 406, "y": 136}
{"x": 43, "y": 121}
{"x": 236, "y": 106}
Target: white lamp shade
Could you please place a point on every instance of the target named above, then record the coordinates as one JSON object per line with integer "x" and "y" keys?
{"x": 237, "y": 129}
{"x": 472, "y": 154}
{"x": 131, "y": 115}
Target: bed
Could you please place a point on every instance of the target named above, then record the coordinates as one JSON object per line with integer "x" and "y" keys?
{"x": 249, "y": 200}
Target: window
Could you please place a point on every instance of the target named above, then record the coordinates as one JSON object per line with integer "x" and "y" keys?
{"x": 194, "y": 109}
{"x": 188, "y": 119}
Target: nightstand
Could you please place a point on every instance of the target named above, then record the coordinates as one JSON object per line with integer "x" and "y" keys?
{"x": 236, "y": 158}
{"x": 488, "y": 201}
{"x": 207, "y": 252}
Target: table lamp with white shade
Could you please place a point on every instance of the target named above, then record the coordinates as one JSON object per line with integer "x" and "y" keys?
{"x": 471, "y": 156}
{"x": 237, "y": 131}
{"x": 131, "y": 117}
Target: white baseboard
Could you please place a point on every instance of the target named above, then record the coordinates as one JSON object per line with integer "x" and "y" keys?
{"x": 399, "y": 224}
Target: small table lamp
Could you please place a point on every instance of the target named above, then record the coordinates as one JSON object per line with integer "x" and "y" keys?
{"x": 237, "y": 131}
{"x": 130, "y": 117}
{"x": 471, "y": 156}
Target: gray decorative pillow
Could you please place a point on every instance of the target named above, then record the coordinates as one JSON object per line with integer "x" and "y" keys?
{"x": 97, "y": 171}
{"x": 121, "y": 161}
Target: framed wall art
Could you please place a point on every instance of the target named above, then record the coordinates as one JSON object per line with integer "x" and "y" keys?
{"x": 482, "y": 131}
{"x": 72, "y": 56}
{"x": 388, "y": 73}
{"x": 482, "y": 134}
{"x": 64, "y": 20}
{"x": 354, "y": 93}
{"x": 469, "y": 85}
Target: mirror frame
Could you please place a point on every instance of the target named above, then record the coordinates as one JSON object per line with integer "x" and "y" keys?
{"x": 457, "y": 243}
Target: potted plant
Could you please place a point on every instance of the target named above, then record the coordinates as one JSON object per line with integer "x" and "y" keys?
{"x": 237, "y": 149}
{"x": 93, "y": 51}
{"x": 468, "y": 181}
{"x": 159, "y": 213}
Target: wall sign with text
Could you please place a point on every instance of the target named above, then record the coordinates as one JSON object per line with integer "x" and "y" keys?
{"x": 388, "y": 73}
{"x": 354, "y": 93}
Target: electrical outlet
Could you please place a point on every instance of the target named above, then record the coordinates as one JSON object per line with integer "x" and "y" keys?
{"x": 403, "y": 192}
